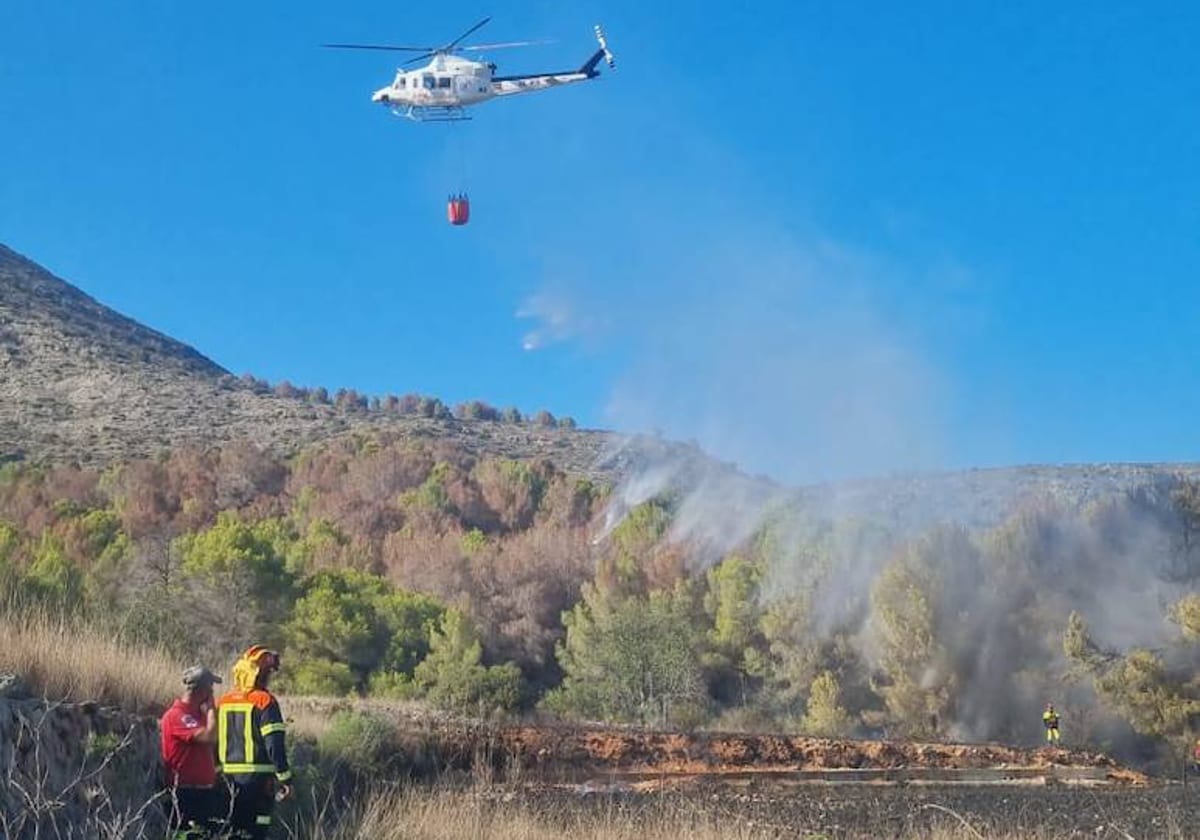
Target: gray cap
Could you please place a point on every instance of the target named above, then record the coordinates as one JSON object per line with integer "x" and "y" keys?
{"x": 198, "y": 677}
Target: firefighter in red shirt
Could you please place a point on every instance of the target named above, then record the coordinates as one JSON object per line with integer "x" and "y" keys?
{"x": 250, "y": 744}
{"x": 189, "y": 729}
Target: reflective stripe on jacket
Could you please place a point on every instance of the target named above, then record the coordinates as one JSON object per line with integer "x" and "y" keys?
{"x": 250, "y": 734}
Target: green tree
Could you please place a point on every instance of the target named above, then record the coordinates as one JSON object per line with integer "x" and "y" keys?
{"x": 320, "y": 677}
{"x": 321, "y": 547}
{"x": 630, "y": 659}
{"x": 53, "y": 578}
{"x": 621, "y": 569}
{"x": 412, "y": 620}
{"x": 350, "y": 625}
{"x": 825, "y": 716}
{"x": 454, "y": 676}
{"x": 473, "y": 542}
{"x": 731, "y": 601}
{"x": 431, "y": 495}
{"x": 1156, "y": 699}
{"x": 790, "y": 662}
{"x": 919, "y": 685}
{"x": 100, "y": 542}
{"x": 237, "y": 585}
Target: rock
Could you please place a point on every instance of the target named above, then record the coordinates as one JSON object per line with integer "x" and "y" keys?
{"x": 13, "y": 687}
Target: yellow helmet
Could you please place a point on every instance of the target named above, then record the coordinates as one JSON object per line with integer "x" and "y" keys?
{"x": 255, "y": 661}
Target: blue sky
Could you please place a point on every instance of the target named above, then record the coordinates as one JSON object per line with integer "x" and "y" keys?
{"x": 822, "y": 239}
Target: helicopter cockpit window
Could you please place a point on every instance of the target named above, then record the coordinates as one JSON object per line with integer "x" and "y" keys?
{"x": 428, "y": 82}
{"x": 444, "y": 82}
{"x": 402, "y": 82}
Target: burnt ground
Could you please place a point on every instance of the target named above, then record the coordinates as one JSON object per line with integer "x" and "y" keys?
{"x": 894, "y": 812}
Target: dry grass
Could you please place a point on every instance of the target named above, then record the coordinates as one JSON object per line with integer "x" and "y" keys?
{"x": 63, "y": 660}
{"x": 449, "y": 815}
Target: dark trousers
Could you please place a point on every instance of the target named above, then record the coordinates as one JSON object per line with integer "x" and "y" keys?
{"x": 192, "y": 813}
{"x": 253, "y": 803}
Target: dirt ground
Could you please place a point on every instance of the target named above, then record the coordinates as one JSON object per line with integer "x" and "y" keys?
{"x": 432, "y": 743}
{"x": 631, "y": 750}
{"x": 577, "y": 753}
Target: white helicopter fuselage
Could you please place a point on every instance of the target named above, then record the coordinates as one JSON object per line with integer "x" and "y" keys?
{"x": 448, "y": 84}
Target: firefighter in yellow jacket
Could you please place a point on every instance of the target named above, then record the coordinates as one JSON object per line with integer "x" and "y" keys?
{"x": 250, "y": 745}
{"x": 1050, "y": 722}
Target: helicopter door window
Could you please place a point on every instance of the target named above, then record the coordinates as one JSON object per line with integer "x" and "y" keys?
{"x": 402, "y": 83}
{"x": 444, "y": 82}
{"x": 429, "y": 82}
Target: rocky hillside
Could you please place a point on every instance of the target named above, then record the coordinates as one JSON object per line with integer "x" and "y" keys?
{"x": 80, "y": 382}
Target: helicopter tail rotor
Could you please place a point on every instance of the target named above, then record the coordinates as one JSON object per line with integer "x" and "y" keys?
{"x": 608, "y": 56}
{"x": 602, "y": 54}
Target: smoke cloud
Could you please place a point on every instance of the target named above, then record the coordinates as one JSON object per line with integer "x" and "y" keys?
{"x": 801, "y": 361}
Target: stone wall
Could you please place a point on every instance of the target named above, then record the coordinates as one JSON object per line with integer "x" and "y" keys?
{"x": 75, "y": 770}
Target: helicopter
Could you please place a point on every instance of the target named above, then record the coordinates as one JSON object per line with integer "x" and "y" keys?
{"x": 443, "y": 89}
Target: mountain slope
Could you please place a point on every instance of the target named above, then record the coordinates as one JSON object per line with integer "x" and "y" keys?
{"x": 80, "y": 382}
{"x": 45, "y": 320}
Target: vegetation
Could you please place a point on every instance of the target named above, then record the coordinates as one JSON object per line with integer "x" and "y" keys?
{"x": 397, "y": 570}
{"x": 359, "y": 743}
{"x": 61, "y": 658}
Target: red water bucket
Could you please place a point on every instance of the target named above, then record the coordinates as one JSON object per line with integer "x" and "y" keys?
{"x": 458, "y": 210}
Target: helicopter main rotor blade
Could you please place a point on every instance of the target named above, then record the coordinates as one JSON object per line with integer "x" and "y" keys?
{"x": 460, "y": 38}
{"x": 389, "y": 47}
{"x": 417, "y": 58}
{"x": 505, "y": 45}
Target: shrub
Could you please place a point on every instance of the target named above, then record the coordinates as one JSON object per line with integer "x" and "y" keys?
{"x": 361, "y": 743}
{"x": 393, "y": 685}
{"x": 320, "y": 677}
{"x": 476, "y": 410}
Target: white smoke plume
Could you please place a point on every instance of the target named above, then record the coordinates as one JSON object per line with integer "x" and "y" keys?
{"x": 789, "y": 368}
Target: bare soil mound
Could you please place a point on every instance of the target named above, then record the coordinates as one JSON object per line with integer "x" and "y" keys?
{"x": 574, "y": 753}
{"x": 617, "y": 750}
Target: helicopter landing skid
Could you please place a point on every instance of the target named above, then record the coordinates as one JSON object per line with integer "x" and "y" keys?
{"x": 433, "y": 113}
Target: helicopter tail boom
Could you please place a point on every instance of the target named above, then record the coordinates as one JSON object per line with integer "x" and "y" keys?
{"x": 508, "y": 85}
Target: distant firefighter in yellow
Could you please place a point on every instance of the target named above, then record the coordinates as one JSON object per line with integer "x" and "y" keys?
{"x": 1050, "y": 722}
